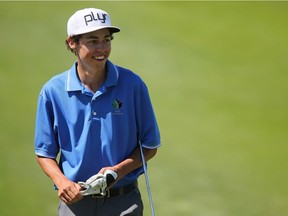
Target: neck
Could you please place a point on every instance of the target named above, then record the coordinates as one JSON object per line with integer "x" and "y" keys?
{"x": 92, "y": 79}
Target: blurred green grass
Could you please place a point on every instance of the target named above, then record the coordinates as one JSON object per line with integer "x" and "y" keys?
{"x": 217, "y": 74}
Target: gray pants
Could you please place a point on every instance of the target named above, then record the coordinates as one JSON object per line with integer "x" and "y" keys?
{"x": 129, "y": 204}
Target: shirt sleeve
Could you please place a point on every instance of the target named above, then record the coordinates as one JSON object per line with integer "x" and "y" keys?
{"x": 45, "y": 142}
{"x": 148, "y": 131}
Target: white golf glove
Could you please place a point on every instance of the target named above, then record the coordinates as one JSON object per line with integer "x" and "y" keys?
{"x": 97, "y": 184}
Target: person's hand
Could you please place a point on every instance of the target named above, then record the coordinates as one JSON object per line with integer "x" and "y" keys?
{"x": 111, "y": 180}
{"x": 69, "y": 192}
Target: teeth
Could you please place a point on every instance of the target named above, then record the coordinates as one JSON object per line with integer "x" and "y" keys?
{"x": 99, "y": 57}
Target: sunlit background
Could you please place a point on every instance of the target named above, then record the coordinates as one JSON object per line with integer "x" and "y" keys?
{"x": 217, "y": 75}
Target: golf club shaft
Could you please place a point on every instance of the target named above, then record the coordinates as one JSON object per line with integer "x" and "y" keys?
{"x": 147, "y": 180}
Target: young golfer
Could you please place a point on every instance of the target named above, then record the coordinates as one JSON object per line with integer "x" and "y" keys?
{"x": 92, "y": 118}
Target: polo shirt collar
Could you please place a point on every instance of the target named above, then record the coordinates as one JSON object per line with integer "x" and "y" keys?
{"x": 112, "y": 74}
{"x": 74, "y": 84}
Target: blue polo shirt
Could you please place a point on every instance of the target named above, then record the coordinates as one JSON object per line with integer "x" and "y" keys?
{"x": 91, "y": 131}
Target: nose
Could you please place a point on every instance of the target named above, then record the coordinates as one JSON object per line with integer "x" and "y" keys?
{"x": 101, "y": 46}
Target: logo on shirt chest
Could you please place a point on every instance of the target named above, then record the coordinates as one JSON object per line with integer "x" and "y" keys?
{"x": 117, "y": 105}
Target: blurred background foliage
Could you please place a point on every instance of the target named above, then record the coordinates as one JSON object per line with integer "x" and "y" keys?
{"x": 217, "y": 74}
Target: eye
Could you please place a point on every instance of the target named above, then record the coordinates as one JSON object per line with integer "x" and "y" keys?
{"x": 93, "y": 41}
{"x": 107, "y": 40}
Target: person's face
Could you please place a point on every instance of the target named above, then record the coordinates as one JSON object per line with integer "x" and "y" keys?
{"x": 94, "y": 48}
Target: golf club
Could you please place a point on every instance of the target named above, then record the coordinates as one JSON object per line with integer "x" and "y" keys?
{"x": 147, "y": 180}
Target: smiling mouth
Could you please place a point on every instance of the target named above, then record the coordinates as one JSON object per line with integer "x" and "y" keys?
{"x": 99, "y": 58}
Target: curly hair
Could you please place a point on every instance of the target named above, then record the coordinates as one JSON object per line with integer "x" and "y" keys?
{"x": 74, "y": 38}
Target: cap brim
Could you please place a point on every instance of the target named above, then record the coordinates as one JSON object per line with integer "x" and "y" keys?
{"x": 113, "y": 29}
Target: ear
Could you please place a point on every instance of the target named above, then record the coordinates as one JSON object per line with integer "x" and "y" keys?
{"x": 72, "y": 43}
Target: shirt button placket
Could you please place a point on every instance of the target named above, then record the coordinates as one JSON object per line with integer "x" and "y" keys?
{"x": 93, "y": 112}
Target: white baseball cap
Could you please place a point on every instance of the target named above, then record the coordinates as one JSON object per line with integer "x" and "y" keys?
{"x": 88, "y": 20}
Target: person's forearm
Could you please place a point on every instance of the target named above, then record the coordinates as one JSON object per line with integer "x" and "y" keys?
{"x": 51, "y": 169}
{"x": 68, "y": 191}
{"x": 134, "y": 161}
